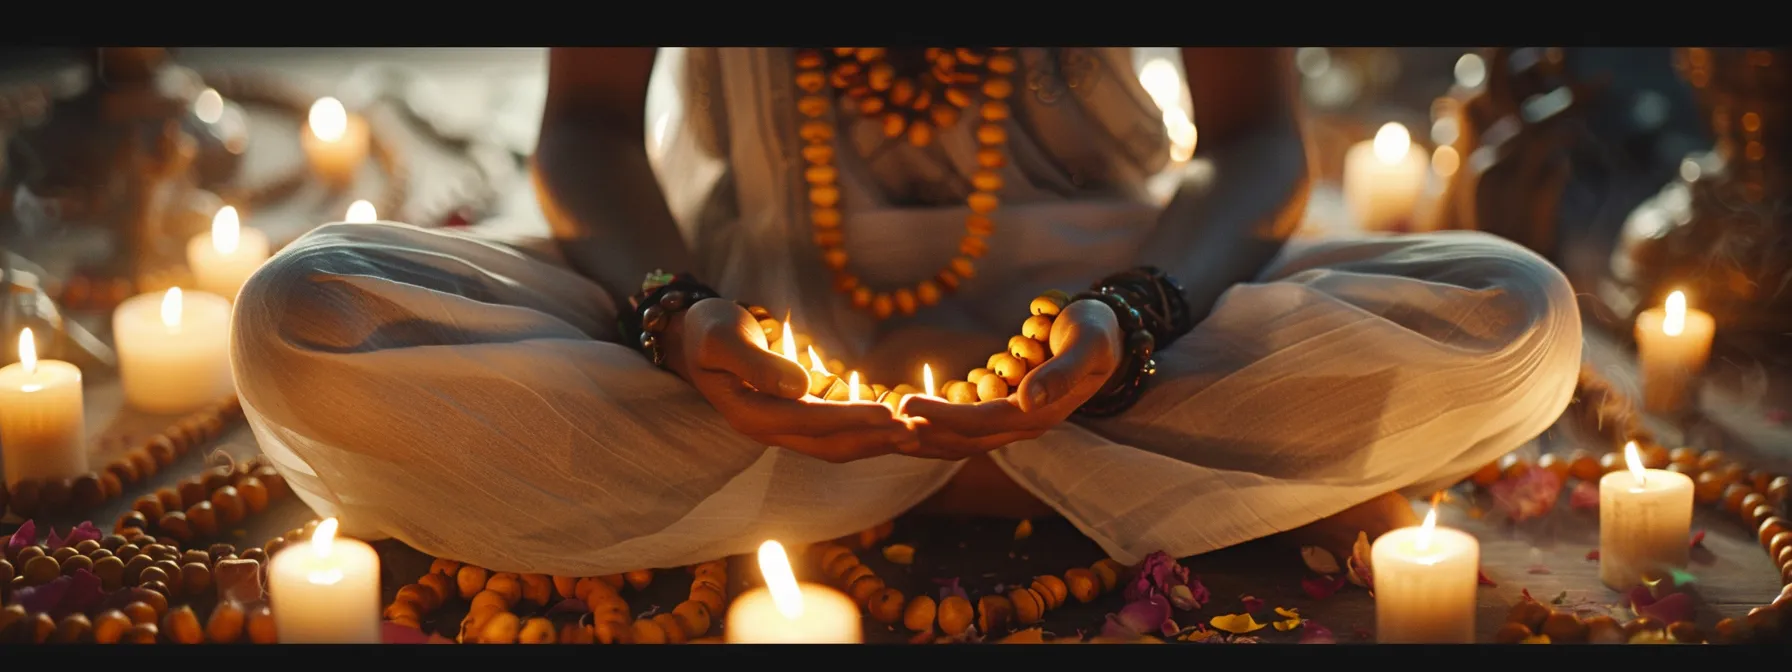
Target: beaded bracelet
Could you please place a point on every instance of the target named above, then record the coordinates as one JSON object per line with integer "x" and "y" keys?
{"x": 662, "y": 297}
{"x": 1157, "y": 296}
{"x": 1128, "y": 382}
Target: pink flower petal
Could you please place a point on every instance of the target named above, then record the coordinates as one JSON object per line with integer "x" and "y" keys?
{"x": 1593, "y": 555}
{"x": 1321, "y": 587}
{"x": 1585, "y": 496}
{"x": 26, "y": 535}
{"x": 1697, "y": 539}
{"x": 1481, "y": 579}
{"x": 1251, "y": 604}
{"x": 1674, "y": 608}
{"x": 1314, "y": 633}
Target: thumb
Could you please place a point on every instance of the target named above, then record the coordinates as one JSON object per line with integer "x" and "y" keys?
{"x": 1052, "y": 381}
{"x": 1082, "y": 339}
{"x": 756, "y": 366}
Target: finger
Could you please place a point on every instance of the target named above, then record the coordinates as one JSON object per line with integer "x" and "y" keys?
{"x": 759, "y": 414}
{"x": 953, "y": 446}
{"x": 1085, "y": 337}
{"x": 730, "y": 349}
{"x": 986, "y": 418}
{"x": 837, "y": 448}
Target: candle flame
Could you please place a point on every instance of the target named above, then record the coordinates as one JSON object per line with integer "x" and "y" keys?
{"x": 853, "y": 383}
{"x": 171, "y": 308}
{"x": 774, "y": 565}
{"x": 328, "y": 119}
{"x": 1634, "y": 460}
{"x": 361, "y": 212}
{"x": 815, "y": 363}
{"x": 227, "y": 230}
{"x": 1422, "y": 540}
{"x": 789, "y": 341}
{"x": 27, "y": 351}
{"x": 1392, "y": 142}
{"x": 324, "y": 539}
{"x": 1675, "y": 321}
{"x": 927, "y": 379}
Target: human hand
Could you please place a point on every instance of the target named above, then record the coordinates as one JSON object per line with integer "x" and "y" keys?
{"x": 721, "y": 350}
{"x": 1086, "y": 338}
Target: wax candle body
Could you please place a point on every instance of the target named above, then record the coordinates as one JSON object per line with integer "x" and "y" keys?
{"x": 42, "y": 432}
{"x": 335, "y": 143}
{"x": 1382, "y": 185}
{"x": 829, "y": 617}
{"x": 173, "y": 369}
{"x": 1669, "y": 363}
{"x": 334, "y": 599}
{"x": 1643, "y": 527}
{"x": 223, "y": 273}
{"x": 1425, "y": 593}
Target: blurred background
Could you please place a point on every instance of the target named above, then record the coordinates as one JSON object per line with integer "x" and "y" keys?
{"x": 1635, "y": 170}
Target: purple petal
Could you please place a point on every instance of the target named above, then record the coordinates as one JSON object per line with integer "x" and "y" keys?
{"x": 55, "y": 542}
{"x": 84, "y": 593}
{"x": 1251, "y": 604}
{"x": 1671, "y": 609}
{"x": 1199, "y": 592}
{"x": 1147, "y": 615}
{"x": 26, "y": 535}
{"x": 1639, "y": 597}
{"x": 43, "y": 597}
{"x": 1117, "y": 630}
{"x": 393, "y": 633}
{"x": 1314, "y": 633}
{"x": 571, "y": 605}
{"x": 83, "y": 532}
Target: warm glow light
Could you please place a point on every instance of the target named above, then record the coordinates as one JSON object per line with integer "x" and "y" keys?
{"x": 328, "y": 119}
{"x": 1635, "y": 462}
{"x": 1162, "y": 83}
{"x": 774, "y": 565}
{"x": 322, "y": 542}
{"x": 1392, "y": 143}
{"x": 27, "y": 351}
{"x": 1675, "y": 321}
{"x": 171, "y": 308}
{"x": 815, "y": 363}
{"x": 227, "y": 230}
{"x": 927, "y": 379}
{"x": 853, "y": 383}
{"x": 789, "y": 341}
{"x": 361, "y": 212}
{"x": 1422, "y": 540}
{"x": 209, "y": 106}
{"x": 1445, "y": 161}
{"x": 1470, "y": 71}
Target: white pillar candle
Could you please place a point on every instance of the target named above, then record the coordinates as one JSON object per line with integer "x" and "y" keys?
{"x": 326, "y": 590}
{"x": 1645, "y": 517}
{"x": 224, "y": 259}
{"x": 786, "y": 612}
{"x": 335, "y": 142}
{"x": 1425, "y": 581}
{"x": 42, "y": 432}
{"x": 361, "y": 212}
{"x": 173, "y": 350}
{"x": 1383, "y": 179}
{"x": 1673, "y": 343}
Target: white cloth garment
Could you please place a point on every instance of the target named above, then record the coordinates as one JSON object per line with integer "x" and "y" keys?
{"x": 470, "y": 397}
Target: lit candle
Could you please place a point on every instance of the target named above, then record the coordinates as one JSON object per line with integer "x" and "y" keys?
{"x": 173, "y": 350}
{"x": 335, "y": 141}
{"x": 1645, "y": 516}
{"x": 1425, "y": 580}
{"x": 927, "y": 379}
{"x": 1383, "y": 179}
{"x": 224, "y": 259}
{"x": 42, "y": 432}
{"x": 852, "y": 384}
{"x": 1673, "y": 343}
{"x": 821, "y": 380}
{"x": 326, "y": 590}
{"x": 361, "y": 212}
{"x": 787, "y": 612}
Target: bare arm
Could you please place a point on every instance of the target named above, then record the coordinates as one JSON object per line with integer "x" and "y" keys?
{"x": 1226, "y": 224}
{"x": 592, "y": 175}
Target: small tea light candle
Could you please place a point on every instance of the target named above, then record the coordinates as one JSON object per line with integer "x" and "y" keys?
{"x": 335, "y": 142}
{"x": 1425, "y": 580}
{"x": 1383, "y": 179}
{"x": 43, "y": 434}
{"x": 1645, "y": 517}
{"x": 224, "y": 259}
{"x": 1673, "y": 343}
{"x": 361, "y": 212}
{"x": 326, "y": 590}
{"x": 173, "y": 350}
{"x": 787, "y": 612}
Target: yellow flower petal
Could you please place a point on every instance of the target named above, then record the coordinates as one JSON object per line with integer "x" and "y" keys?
{"x": 1199, "y": 635}
{"x": 1539, "y": 639}
{"x": 1023, "y": 530}
{"x": 900, "y": 554}
{"x": 1287, "y": 613}
{"x": 1236, "y": 624}
{"x": 1284, "y": 626}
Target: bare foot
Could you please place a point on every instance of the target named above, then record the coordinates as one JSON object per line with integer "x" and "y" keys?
{"x": 1338, "y": 533}
{"x": 982, "y": 489}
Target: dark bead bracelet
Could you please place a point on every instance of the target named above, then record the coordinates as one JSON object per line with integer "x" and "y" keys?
{"x": 1128, "y": 382}
{"x": 1157, "y": 296}
{"x": 662, "y": 297}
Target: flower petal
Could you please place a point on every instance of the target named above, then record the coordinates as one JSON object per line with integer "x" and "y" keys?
{"x": 571, "y": 605}
{"x": 1236, "y": 624}
{"x": 1697, "y": 539}
{"x": 26, "y": 535}
{"x": 1584, "y": 496}
{"x": 1023, "y": 530}
{"x": 1251, "y": 604}
{"x": 1671, "y": 609}
{"x": 901, "y": 554}
{"x": 1315, "y": 633}
{"x": 1287, "y": 613}
{"x": 1321, "y": 587}
{"x": 1143, "y": 616}
{"x": 1319, "y": 560}
{"x": 1482, "y": 580}
{"x": 1286, "y": 624}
